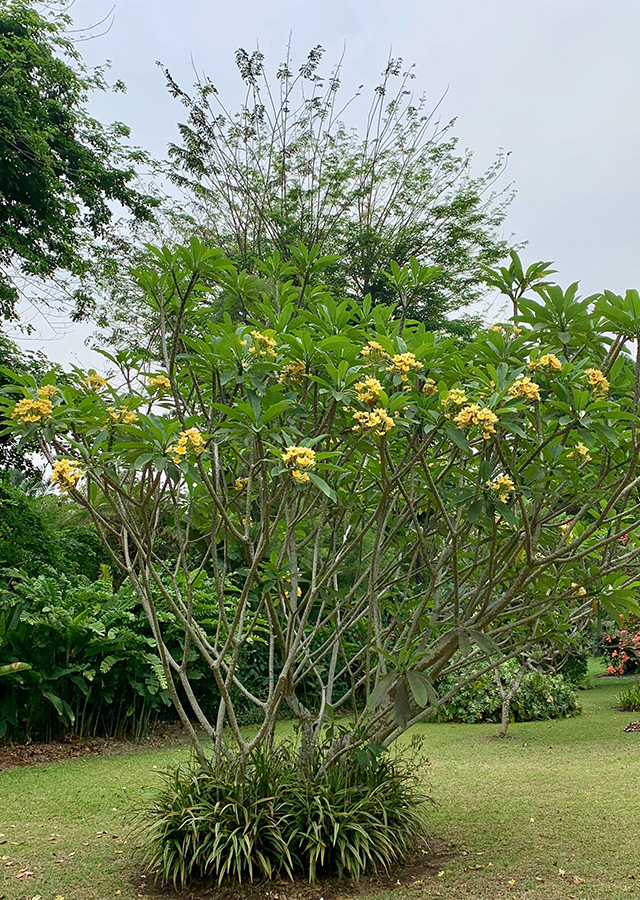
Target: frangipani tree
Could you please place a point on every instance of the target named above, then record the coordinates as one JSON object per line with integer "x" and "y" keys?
{"x": 380, "y": 504}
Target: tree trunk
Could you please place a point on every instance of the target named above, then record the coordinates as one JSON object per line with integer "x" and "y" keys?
{"x": 507, "y": 696}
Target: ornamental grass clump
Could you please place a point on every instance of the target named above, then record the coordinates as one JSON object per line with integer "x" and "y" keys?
{"x": 283, "y": 819}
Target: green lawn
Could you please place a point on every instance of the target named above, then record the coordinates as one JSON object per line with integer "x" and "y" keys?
{"x": 555, "y": 808}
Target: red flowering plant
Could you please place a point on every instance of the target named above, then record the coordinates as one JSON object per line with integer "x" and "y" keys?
{"x": 622, "y": 645}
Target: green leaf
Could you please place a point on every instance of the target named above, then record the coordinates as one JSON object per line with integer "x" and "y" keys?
{"x": 458, "y": 438}
{"x": 272, "y": 411}
{"x": 401, "y": 705}
{"x": 422, "y": 689}
{"x": 142, "y": 460}
{"x": 464, "y": 644}
{"x": 324, "y": 487}
{"x": 475, "y": 511}
{"x": 381, "y": 690}
{"x": 486, "y": 644}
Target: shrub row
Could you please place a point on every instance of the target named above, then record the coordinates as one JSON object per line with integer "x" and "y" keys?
{"x": 540, "y": 696}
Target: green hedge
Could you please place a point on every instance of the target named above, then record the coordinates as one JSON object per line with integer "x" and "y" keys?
{"x": 540, "y": 696}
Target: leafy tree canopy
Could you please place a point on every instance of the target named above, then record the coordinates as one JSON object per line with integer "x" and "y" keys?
{"x": 60, "y": 169}
{"x": 379, "y": 508}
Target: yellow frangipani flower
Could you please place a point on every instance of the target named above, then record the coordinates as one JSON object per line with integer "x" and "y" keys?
{"x": 548, "y": 361}
{"x": 159, "y": 383}
{"x": 28, "y": 411}
{"x": 502, "y": 486}
{"x": 456, "y": 396}
{"x": 526, "y": 388}
{"x": 122, "y": 415}
{"x": 474, "y": 414}
{"x": 263, "y": 345}
{"x": 581, "y": 453}
{"x": 378, "y": 421}
{"x": 369, "y": 390}
{"x": 429, "y": 388}
{"x": 598, "y": 383}
{"x": 94, "y": 381}
{"x": 190, "y": 441}
{"x": 295, "y": 372}
{"x": 66, "y": 473}
{"x": 404, "y": 363}
{"x": 373, "y": 351}
{"x": 297, "y": 458}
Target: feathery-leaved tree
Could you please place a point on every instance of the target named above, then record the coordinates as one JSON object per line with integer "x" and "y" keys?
{"x": 300, "y": 163}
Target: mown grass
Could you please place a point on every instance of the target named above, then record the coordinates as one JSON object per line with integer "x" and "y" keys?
{"x": 555, "y": 809}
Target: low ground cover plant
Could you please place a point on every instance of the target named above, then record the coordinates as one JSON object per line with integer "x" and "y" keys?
{"x": 283, "y": 819}
{"x": 629, "y": 698}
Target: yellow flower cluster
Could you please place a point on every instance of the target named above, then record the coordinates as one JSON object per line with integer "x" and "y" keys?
{"x": 240, "y": 483}
{"x": 477, "y": 415}
{"x": 377, "y": 421}
{"x": 598, "y": 383}
{"x": 122, "y": 416}
{"x": 548, "y": 361}
{"x": 295, "y": 372}
{"x": 526, "y": 388}
{"x": 28, "y": 411}
{"x": 581, "y": 591}
{"x": 94, "y": 381}
{"x": 456, "y": 396}
{"x": 501, "y": 486}
{"x": 374, "y": 351}
{"x": 47, "y": 391}
{"x": 369, "y": 390}
{"x": 404, "y": 363}
{"x": 159, "y": 383}
{"x": 581, "y": 453}
{"x": 66, "y": 473}
{"x": 263, "y": 345}
{"x": 297, "y": 459}
{"x": 190, "y": 441}
{"x": 429, "y": 388}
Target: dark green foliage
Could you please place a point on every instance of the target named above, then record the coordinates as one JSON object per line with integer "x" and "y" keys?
{"x": 629, "y": 699}
{"x": 94, "y": 669}
{"x": 60, "y": 169}
{"x": 540, "y": 696}
{"x": 575, "y": 667}
{"x": 45, "y": 531}
{"x": 283, "y": 818}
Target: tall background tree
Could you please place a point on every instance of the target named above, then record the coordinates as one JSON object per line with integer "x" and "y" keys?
{"x": 288, "y": 167}
{"x": 62, "y": 172}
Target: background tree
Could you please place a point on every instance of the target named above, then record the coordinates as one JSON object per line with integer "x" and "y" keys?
{"x": 61, "y": 171}
{"x": 288, "y": 168}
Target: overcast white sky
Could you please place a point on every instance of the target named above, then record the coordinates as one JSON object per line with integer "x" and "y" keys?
{"x": 555, "y": 83}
